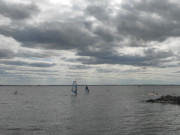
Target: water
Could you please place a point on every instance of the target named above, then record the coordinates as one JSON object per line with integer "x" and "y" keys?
{"x": 106, "y": 110}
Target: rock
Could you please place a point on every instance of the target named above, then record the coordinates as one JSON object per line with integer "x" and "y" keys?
{"x": 150, "y": 100}
{"x": 166, "y": 99}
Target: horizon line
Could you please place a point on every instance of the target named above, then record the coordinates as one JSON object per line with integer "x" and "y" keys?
{"x": 88, "y": 84}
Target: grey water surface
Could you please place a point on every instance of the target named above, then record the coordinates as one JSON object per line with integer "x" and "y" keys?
{"x": 106, "y": 110}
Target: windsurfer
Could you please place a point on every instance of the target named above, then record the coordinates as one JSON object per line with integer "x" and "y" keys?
{"x": 87, "y": 89}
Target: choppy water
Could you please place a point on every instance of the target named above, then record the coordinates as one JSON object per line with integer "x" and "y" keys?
{"x": 106, "y": 110}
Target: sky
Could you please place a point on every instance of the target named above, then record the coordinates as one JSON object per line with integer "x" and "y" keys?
{"x": 95, "y": 42}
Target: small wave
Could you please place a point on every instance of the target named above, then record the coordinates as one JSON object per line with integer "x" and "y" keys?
{"x": 13, "y": 129}
{"x": 4, "y": 103}
{"x": 29, "y": 106}
{"x": 24, "y": 129}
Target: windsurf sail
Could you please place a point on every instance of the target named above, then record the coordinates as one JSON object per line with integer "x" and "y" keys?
{"x": 74, "y": 87}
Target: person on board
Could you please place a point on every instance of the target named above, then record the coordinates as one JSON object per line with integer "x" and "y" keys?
{"x": 87, "y": 89}
{"x": 15, "y": 92}
{"x": 75, "y": 91}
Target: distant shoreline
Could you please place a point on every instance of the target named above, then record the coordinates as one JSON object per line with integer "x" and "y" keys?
{"x": 105, "y": 85}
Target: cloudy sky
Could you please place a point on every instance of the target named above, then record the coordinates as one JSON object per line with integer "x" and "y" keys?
{"x": 51, "y": 42}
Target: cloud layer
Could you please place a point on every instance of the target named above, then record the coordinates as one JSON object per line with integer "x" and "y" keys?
{"x": 132, "y": 34}
{"x": 17, "y": 11}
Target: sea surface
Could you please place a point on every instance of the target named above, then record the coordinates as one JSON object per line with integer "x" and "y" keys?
{"x": 106, "y": 110}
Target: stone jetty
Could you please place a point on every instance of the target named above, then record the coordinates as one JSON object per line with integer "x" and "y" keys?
{"x": 166, "y": 99}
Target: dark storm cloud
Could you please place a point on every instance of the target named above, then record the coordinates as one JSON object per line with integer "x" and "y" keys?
{"x": 6, "y": 54}
{"x": 32, "y": 64}
{"x": 149, "y": 20}
{"x": 88, "y": 24}
{"x": 17, "y": 11}
{"x": 165, "y": 8}
{"x": 106, "y": 34}
{"x": 41, "y": 64}
{"x": 151, "y": 57}
{"x": 60, "y": 36}
{"x": 144, "y": 20}
{"x": 98, "y": 12}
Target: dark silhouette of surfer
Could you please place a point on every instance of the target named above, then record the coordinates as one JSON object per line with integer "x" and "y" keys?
{"x": 87, "y": 89}
{"x": 15, "y": 92}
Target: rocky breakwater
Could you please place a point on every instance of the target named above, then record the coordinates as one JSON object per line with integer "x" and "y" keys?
{"x": 166, "y": 99}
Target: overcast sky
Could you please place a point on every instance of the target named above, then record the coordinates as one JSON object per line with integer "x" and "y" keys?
{"x": 51, "y": 42}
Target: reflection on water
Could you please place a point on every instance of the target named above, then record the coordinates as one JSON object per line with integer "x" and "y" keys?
{"x": 49, "y": 110}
